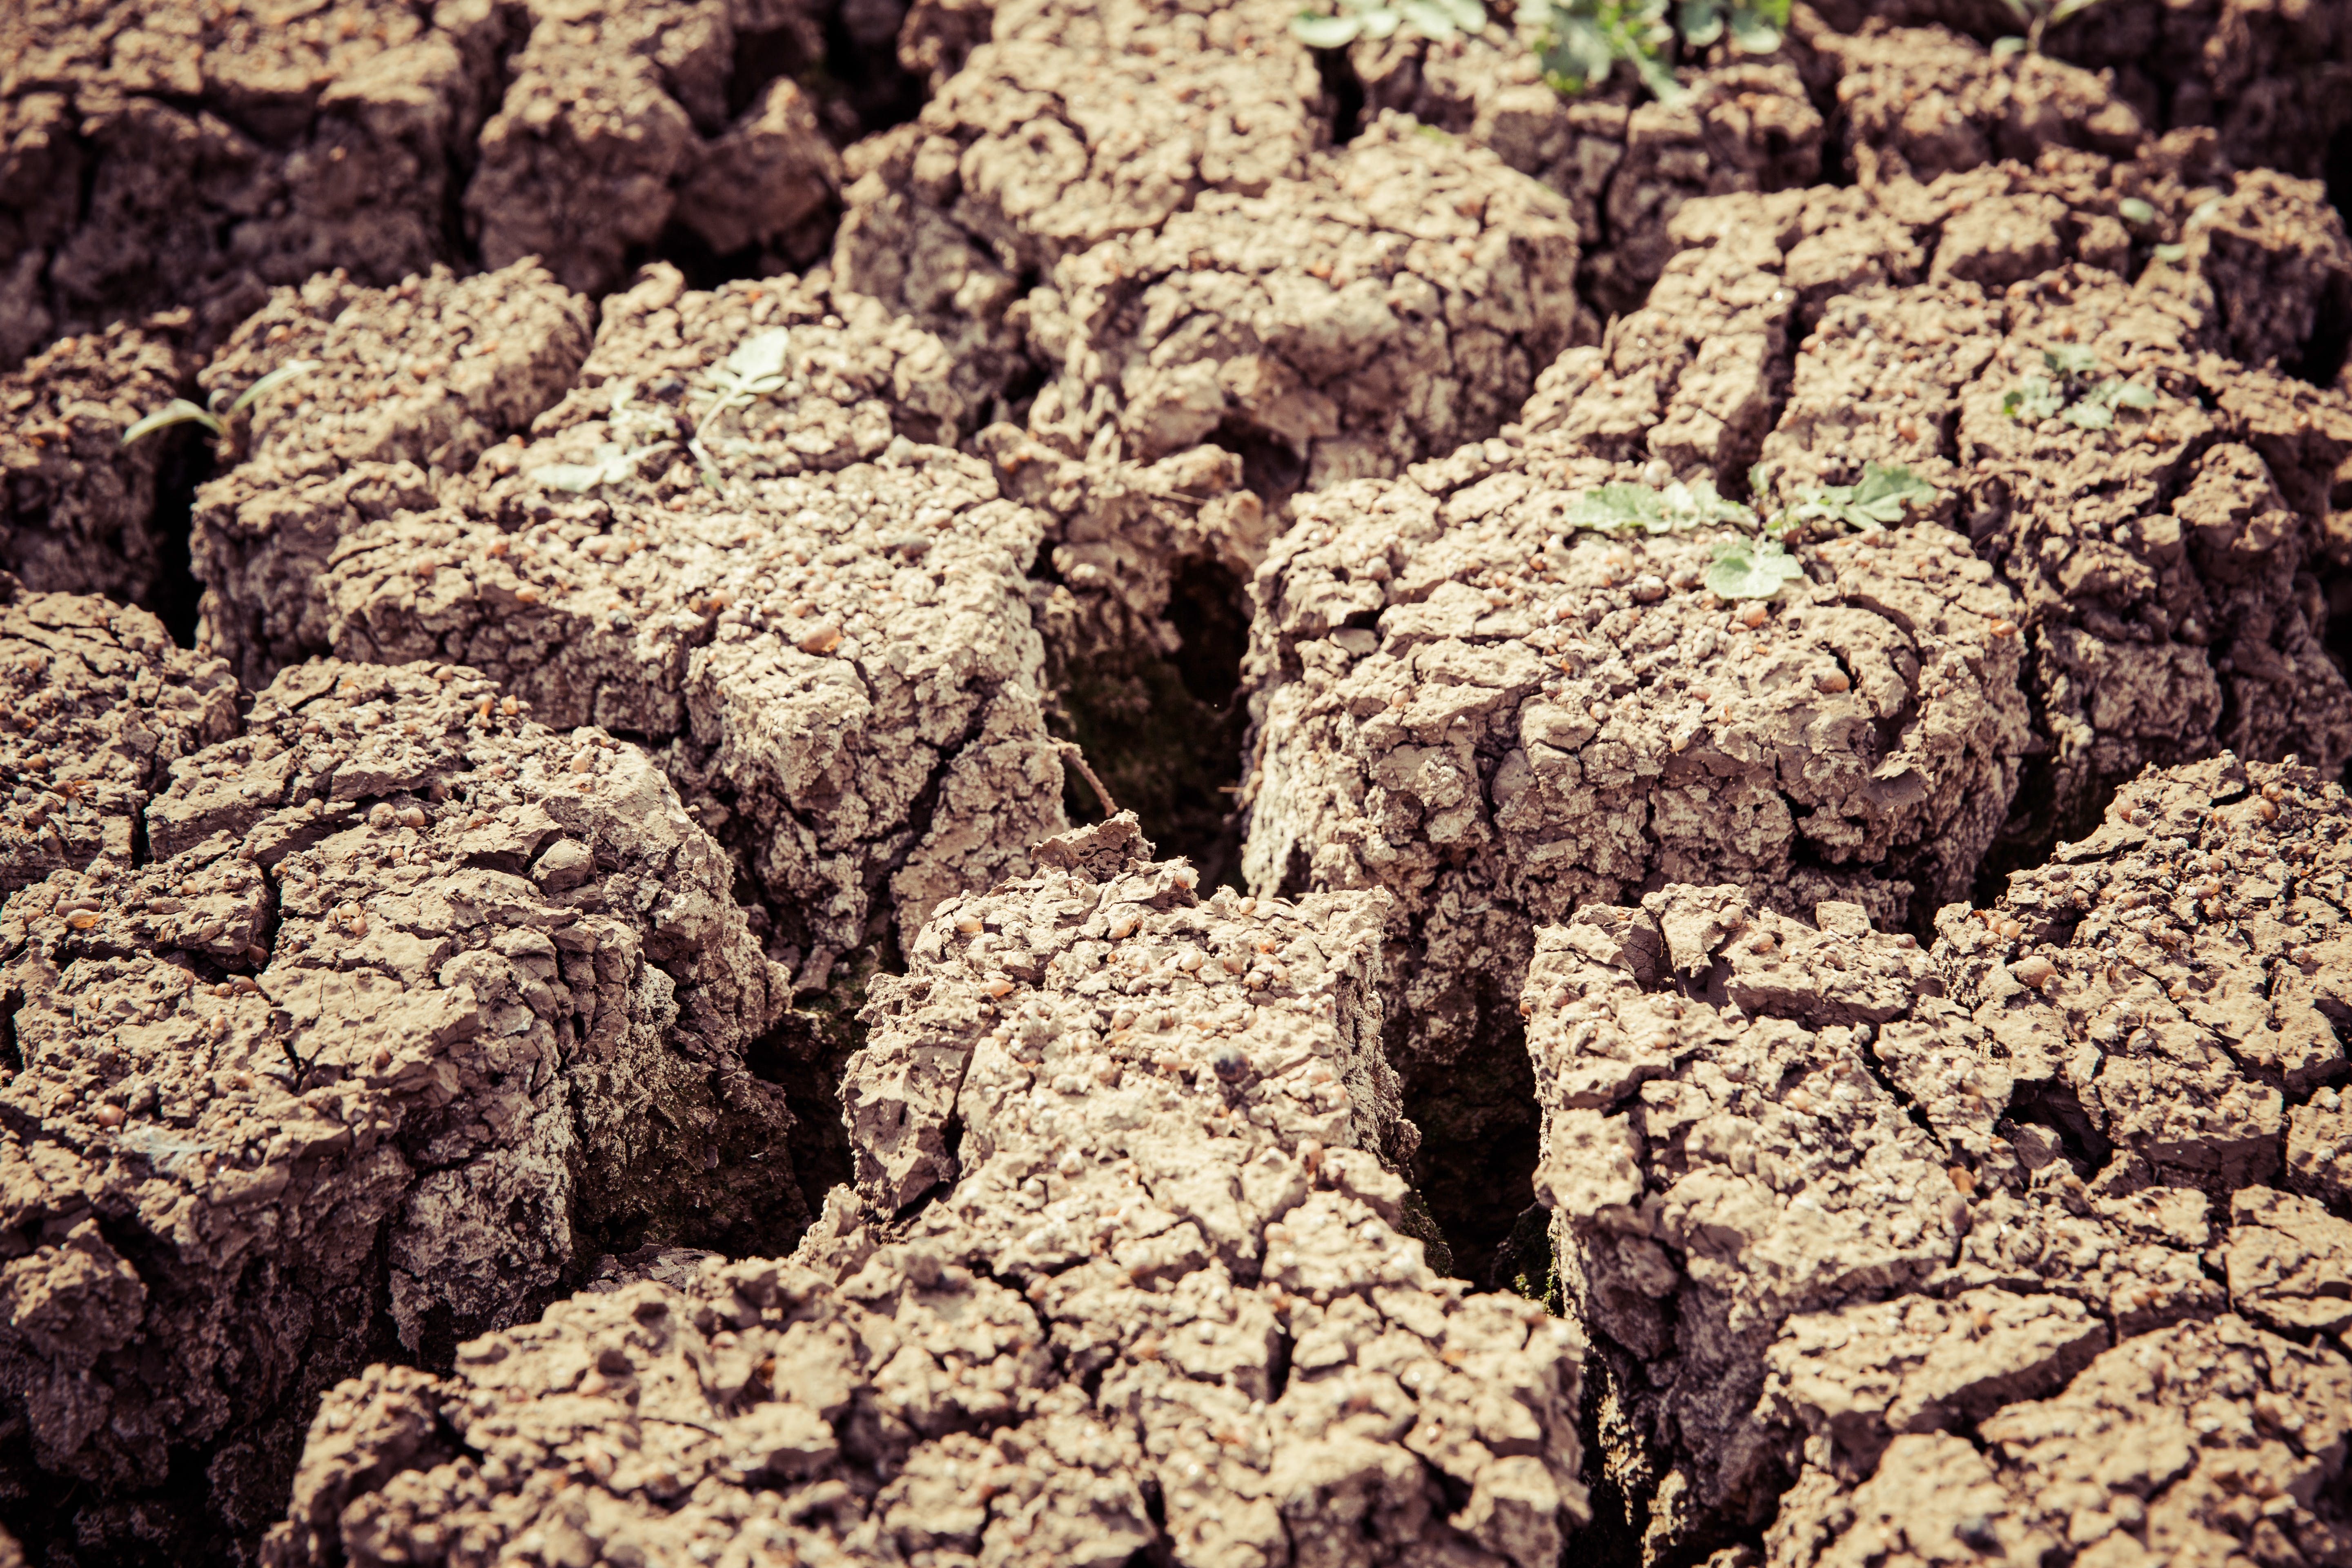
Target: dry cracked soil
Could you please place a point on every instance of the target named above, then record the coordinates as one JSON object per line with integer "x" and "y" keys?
{"x": 931, "y": 783}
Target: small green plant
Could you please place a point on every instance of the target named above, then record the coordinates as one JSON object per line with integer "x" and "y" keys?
{"x": 761, "y": 367}
{"x": 1581, "y": 41}
{"x": 2136, "y": 211}
{"x": 2036, "y": 17}
{"x": 2073, "y": 391}
{"x": 214, "y": 418}
{"x": 611, "y": 461}
{"x": 1642, "y": 509}
{"x": 1433, "y": 20}
{"x": 1750, "y": 568}
{"x": 1878, "y": 500}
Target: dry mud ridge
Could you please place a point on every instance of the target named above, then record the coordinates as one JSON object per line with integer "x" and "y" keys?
{"x": 574, "y": 988}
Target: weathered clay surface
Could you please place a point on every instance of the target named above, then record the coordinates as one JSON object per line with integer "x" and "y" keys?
{"x": 157, "y": 157}
{"x": 2158, "y": 562}
{"x": 1073, "y": 124}
{"x": 410, "y": 998}
{"x": 1626, "y": 167}
{"x": 75, "y": 504}
{"x": 1824, "y": 1198}
{"x": 1498, "y": 722}
{"x": 98, "y": 706}
{"x": 617, "y": 121}
{"x": 1159, "y": 1259}
{"x": 2267, "y": 80}
{"x": 835, "y": 643}
{"x": 1394, "y": 302}
{"x": 413, "y": 384}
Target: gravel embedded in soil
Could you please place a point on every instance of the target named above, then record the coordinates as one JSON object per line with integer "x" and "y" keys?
{"x": 410, "y": 998}
{"x": 1154, "y": 1256}
{"x": 1826, "y": 1199}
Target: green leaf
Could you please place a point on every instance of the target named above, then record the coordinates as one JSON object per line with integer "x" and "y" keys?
{"x": 1614, "y": 508}
{"x": 2091, "y": 414}
{"x": 760, "y": 355}
{"x": 1751, "y": 35}
{"x": 1380, "y": 22}
{"x": 2134, "y": 396}
{"x": 610, "y": 464}
{"x": 274, "y": 380}
{"x": 2172, "y": 253}
{"x": 1702, "y": 22}
{"x": 1324, "y": 32}
{"x": 179, "y": 411}
{"x": 2032, "y": 401}
{"x": 2004, "y": 47}
{"x": 1468, "y": 15}
{"x": 1750, "y": 569}
{"x": 1429, "y": 19}
{"x": 2071, "y": 360}
{"x": 2135, "y": 210}
{"x": 1884, "y": 494}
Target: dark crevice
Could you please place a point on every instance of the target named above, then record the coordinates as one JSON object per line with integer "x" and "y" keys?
{"x": 2053, "y": 1105}
{"x": 1165, "y": 732}
{"x": 1343, "y": 94}
{"x": 187, "y": 462}
{"x": 1619, "y": 1503}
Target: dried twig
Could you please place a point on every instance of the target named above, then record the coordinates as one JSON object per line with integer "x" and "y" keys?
{"x": 1070, "y": 752}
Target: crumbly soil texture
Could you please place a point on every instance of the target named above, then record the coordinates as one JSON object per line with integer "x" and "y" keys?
{"x": 949, "y": 783}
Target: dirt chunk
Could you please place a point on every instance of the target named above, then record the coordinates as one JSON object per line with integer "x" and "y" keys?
{"x": 411, "y": 385}
{"x": 75, "y": 504}
{"x": 1626, "y": 167}
{"x": 100, "y": 706}
{"x": 415, "y": 997}
{"x": 1718, "y": 1159}
{"x": 193, "y": 158}
{"x": 1331, "y": 323}
{"x": 824, "y": 623}
{"x": 618, "y": 122}
{"x": 1160, "y": 1259}
{"x": 1919, "y": 102}
{"x": 1499, "y": 718}
{"x": 2151, "y": 1452}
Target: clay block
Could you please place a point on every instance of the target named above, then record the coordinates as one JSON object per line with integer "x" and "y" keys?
{"x": 827, "y": 627}
{"x": 413, "y": 997}
{"x": 100, "y": 706}
{"x": 413, "y": 384}
{"x": 76, "y": 505}
{"x": 1164, "y": 1186}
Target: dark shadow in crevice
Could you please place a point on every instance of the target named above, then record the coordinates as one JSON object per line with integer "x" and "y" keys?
{"x": 1613, "y": 1538}
{"x": 1480, "y": 1137}
{"x": 1343, "y": 94}
{"x": 186, "y": 461}
{"x": 1165, "y": 731}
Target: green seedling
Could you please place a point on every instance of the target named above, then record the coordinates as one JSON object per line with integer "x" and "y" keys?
{"x": 613, "y": 461}
{"x": 2136, "y": 211}
{"x": 1640, "y": 508}
{"x": 2037, "y": 17}
{"x": 1750, "y": 569}
{"x": 1878, "y": 500}
{"x": 1581, "y": 42}
{"x": 1437, "y": 20}
{"x": 760, "y": 367}
{"x": 214, "y": 418}
{"x": 2073, "y": 391}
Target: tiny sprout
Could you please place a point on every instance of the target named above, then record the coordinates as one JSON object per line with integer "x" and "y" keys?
{"x": 2070, "y": 393}
{"x": 1437, "y": 20}
{"x": 1750, "y": 569}
{"x": 2038, "y": 16}
{"x": 1632, "y": 509}
{"x": 1879, "y": 499}
{"x": 180, "y": 411}
{"x": 2135, "y": 210}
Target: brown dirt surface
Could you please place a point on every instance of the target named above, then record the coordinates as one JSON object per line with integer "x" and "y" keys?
{"x": 1827, "y": 1199}
{"x": 100, "y": 706}
{"x": 410, "y": 999}
{"x": 1211, "y": 1305}
{"x": 550, "y": 1009}
{"x": 1499, "y": 718}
